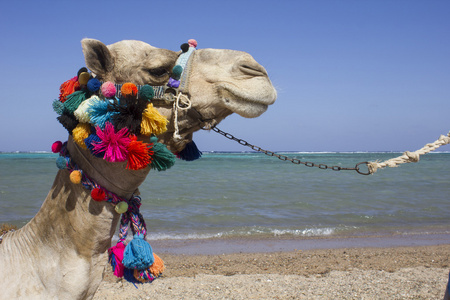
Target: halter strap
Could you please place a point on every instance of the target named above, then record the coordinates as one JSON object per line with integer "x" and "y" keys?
{"x": 166, "y": 92}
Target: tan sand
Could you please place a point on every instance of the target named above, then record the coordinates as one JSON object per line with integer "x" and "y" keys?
{"x": 357, "y": 273}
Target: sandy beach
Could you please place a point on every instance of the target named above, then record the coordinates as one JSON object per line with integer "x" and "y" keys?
{"x": 386, "y": 272}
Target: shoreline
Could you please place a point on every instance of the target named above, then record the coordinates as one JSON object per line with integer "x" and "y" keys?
{"x": 229, "y": 245}
{"x": 351, "y": 272}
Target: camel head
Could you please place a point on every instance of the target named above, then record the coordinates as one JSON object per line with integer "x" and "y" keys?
{"x": 221, "y": 82}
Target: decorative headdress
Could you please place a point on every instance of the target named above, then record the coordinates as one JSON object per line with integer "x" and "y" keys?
{"x": 106, "y": 119}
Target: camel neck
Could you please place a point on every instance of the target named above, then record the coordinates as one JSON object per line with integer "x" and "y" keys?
{"x": 69, "y": 221}
{"x": 113, "y": 177}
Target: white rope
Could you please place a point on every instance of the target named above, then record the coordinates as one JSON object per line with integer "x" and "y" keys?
{"x": 182, "y": 103}
{"x": 407, "y": 156}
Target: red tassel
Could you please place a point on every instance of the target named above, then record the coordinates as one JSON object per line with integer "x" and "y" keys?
{"x": 98, "y": 194}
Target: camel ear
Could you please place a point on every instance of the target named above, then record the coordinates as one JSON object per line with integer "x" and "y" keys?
{"x": 97, "y": 56}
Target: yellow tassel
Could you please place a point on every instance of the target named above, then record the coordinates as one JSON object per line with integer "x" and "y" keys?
{"x": 152, "y": 121}
{"x": 81, "y": 132}
{"x": 75, "y": 177}
{"x": 157, "y": 267}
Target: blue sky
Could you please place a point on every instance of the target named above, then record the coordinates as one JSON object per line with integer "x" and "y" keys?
{"x": 350, "y": 75}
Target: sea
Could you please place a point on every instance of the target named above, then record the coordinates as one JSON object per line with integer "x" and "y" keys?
{"x": 249, "y": 194}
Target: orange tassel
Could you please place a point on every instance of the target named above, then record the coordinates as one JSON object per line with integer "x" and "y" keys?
{"x": 139, "y": 154}
{"x": 129, "y": 90}
{"x": 68, "y": 88}
{"x": 157, "y": 267}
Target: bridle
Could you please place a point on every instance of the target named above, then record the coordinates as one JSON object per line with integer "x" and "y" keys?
{"x": 175, "y": 95}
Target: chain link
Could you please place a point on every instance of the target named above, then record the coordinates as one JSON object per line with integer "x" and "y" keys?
{"x": 286, "y": 158}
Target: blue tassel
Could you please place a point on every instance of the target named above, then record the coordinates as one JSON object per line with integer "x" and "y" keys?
{"x": 88, "y": 141}
{"x": 58, "y": 106}
{"x": 138, "y": 254}
{"x": 128, "y": 275}
{"x": 61, "y": 162}
{"x": 190, "y": 152}
{"x": 101, "y": 112}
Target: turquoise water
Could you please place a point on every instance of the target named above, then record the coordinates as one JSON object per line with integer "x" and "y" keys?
{"x": 249, "y": 194}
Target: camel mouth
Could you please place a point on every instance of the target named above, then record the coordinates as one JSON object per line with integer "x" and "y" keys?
{"x": 244, "y": 103}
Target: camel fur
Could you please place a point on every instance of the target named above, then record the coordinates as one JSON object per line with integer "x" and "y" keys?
{"x": 62, "y": 252}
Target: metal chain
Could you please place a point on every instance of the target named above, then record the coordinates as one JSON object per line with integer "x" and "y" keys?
{"x": 292, "y": 160}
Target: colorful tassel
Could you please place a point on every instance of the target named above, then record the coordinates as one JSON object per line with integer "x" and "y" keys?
{"x": 80, "y": 133}
{"x": 129, "y": 115}
{"x": 116, "y": 257}
{"x": 98, "y": 194}
{"x": 152, "y": 121}
{"x": 128, "y": 275}
{"x": 76, "y": 177}
{"x": 121, "y": 207}
{"x": 108, "y": 89}
{"x": 89, "y": 141}
{"x": 146, "y": 92}
{"x": 113, "y": 144}
{"x": 58, "y": 106}
{"x": 61, "y": 163}
{"x": 163, "y": 159}
{"x": 143, "y": 276}
{"x": 176, "y": 72}
{"x": 93, "y": 85}
{"x": 56, "y": 146}
{"x": 154, "y": 271}
{"x": 139, "y": 154}
{"x": 68, "y": 88}
{"x": 68, "y": 121}
{"x": 190, "y": 152}
{"x": 129, "y": 90}
{"x": 157, "y": 267}
{"x": 192, "y": 43}
{"x": 82, "y": 112}
{"x": 138, "y": 254}
{"x": 74, "y": 100}
{"x": 100, "y": 112}
{"x": 83, "y": 78}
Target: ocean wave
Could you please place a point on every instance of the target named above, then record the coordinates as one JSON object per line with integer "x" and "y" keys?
{"x": 246, "y": 232}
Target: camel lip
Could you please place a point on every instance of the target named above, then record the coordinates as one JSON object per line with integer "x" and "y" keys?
{"x": 246, "y": 108}
{"x": 229, "y": 92}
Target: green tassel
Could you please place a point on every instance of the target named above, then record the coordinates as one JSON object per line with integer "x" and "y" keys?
{"x": 58, "y": 106}
{"x": 163, "y": 159}
{"x": 74, "y": 100}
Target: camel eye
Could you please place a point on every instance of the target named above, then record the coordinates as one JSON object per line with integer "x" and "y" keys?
{"x": 157, "y": 72}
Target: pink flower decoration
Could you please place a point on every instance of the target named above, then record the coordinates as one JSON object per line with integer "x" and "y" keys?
{"x": 114, "y": 144}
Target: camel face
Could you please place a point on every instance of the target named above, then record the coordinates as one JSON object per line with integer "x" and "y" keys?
{"x": 221, "y": 81}
{"x": 237, "y": 82}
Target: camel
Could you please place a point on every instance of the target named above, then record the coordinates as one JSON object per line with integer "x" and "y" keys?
{"x": 62, "y": 252}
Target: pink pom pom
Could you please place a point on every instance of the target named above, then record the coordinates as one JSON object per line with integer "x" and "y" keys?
{"x": 108, "y": 89}
{"x": 192, "y": 43}
{"x": 56, "y": 147}
{"x": 113, "y": 143}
